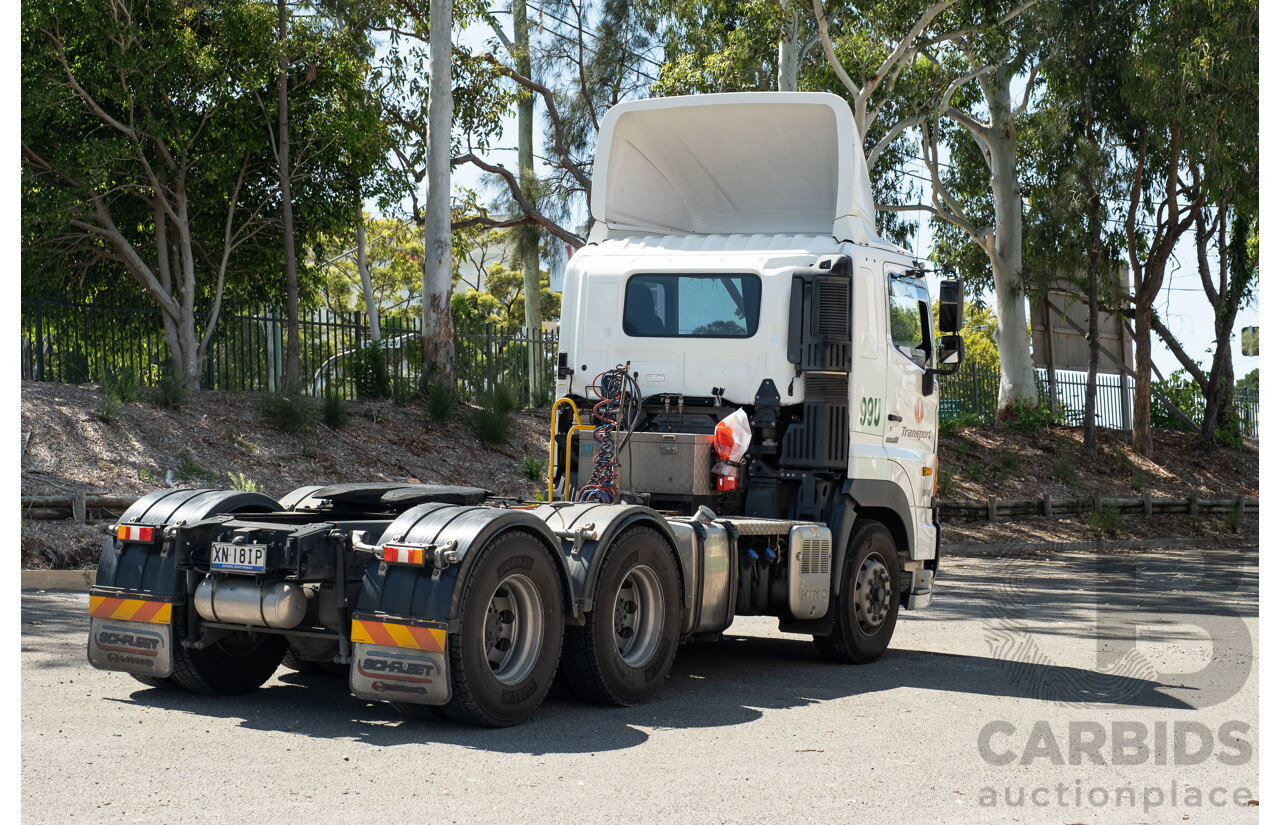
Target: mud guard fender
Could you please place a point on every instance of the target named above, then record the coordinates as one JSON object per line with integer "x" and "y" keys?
{"x": 885, "y": 499}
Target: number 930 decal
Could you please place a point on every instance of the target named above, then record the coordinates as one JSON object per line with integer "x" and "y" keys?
{"x": 869, "y": 412}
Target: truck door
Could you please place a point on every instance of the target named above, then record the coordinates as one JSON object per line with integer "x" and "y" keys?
{"x": 910, "y": 415}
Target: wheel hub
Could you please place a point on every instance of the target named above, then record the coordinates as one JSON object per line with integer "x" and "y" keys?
{"x": 638, "y": 613}
{"x": 873, "y": 593}
{"x": 513, "y": 629}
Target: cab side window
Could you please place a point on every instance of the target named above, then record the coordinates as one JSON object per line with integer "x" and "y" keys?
{"x": 909, "y": 324}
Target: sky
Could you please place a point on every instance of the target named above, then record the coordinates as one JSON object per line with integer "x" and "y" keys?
{"x": 1182, "y": 303}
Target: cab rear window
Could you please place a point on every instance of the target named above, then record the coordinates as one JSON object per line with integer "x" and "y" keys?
{"x": 692, "y": 306}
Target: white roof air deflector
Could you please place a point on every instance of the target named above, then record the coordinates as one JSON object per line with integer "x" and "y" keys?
{"x": 743, "y": 163}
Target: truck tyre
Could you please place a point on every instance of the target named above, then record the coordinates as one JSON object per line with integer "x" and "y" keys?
{"x": 504, "y": 658}
{"x": 161, "y": 682}
{"x": 623, "y": 652}
{"x": 867, "y": 607}
{"x": 237, "y": 663}
{"x": 294, "y": 661}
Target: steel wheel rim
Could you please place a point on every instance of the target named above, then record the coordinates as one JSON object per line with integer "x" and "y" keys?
{"x": 872, "y": 594}
{"x": 638, "y": 614}
{"x": 513, "y": 629}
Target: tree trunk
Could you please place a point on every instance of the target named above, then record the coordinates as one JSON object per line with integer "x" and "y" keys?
{"x": 366, "y": 283}
{"x": 1091, "y": 381}
{"x": 437, "y": 273}
{"x": 1142, "y": 382}
{"x": 529, "y": 262}
{"x": 789, "y": 49}
{"x": 1017, "y": 371}
{"x": 291, "y": 369}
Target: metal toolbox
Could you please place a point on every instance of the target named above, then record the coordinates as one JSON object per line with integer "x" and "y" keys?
{"x": 666, "y": 464}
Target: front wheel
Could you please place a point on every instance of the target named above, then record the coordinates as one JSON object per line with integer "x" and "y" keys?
{"x": 504, "y": 658}
{"x": 867, "y": 607}
{"x": 622, "y": 654}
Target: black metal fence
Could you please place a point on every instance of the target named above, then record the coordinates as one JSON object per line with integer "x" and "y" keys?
{"x": 975, "y": 392}
{"x": 77, "y": 342}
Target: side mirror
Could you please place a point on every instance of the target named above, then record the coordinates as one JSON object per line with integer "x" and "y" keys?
{"x": 950, "y": 350}
{"x": 950, "y": 306}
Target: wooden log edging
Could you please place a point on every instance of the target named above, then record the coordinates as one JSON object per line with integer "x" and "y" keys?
{"x": 1000, "y": 510}
{"x": 79, "y": 506}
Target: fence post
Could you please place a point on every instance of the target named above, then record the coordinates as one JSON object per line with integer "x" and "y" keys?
{"x": 991, "y": 509}
{"x": 1126, "y": 415}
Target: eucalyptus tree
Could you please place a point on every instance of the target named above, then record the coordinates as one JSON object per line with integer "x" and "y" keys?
{"x": 1190, "y": 136}
{"x": 140, "y": 147}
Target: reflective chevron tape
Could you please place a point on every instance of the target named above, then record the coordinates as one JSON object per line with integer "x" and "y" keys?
{"x": 129, "y": 610}
{"x": 389, "y": 634}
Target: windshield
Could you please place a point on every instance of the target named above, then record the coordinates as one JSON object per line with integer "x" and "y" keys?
{"x": 699, "y": 306}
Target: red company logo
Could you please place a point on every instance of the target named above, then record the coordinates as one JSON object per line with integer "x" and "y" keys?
{"x": 919, "y": 410}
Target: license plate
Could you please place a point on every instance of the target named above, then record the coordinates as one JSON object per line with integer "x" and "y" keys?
{"x": 247, "y": 558}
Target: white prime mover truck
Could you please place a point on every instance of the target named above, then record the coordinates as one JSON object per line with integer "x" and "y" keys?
{"x": 747, "y": 425}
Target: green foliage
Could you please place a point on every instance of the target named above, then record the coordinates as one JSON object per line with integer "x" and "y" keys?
{"x": 1022, "y": 415}
{"x": 333, "y": 412}
{"x": 242, "y": 483}
{"x": 492, "y": 422}
{"x": 1118, "y": 460}
{"x": 1249, "y": 382}
{"x": 946, "y": 482}
{"x": 121, "y": 384}
{"x": 368, "y": 366}
{"x": 976, "y": 471}
{"x": 532, "y": 468}
{"x": 1233, "y": 517}
{"x": 169, "y": 392}
{"x": 287, "y": 413}
{"x": 1064, "y": 470}
{"x": 1008, "y": 463}
{"x": 979, "y": 334}
{"x": 403, "y": 389}
{"x": 1104, "y": 520}
{"x": 189, "y": 470}
{"x": 440, "y": 401}
{"x": 1138, "y": 480}
{"x": 109, "y": 410}
{"x": 244, "y": 444}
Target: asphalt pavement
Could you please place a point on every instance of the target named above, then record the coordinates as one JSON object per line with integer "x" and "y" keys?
{"x": 1065, "y": 688}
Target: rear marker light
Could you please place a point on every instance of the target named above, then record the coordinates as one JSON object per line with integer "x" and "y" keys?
{"x": 132, "y": 532}
{"x": 402, "y": 555}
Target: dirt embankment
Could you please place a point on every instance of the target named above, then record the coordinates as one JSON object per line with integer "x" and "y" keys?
{"x": 222, "y": 440}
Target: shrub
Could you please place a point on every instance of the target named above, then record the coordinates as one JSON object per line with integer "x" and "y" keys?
{"x": 333, "y": 413}
{"x": 491, "y": 426}
{"x": 121, "y": 385}
{"x": 368, "y": 366}
{"x": 242, "y": 483}
{"x": 287, "y": 413}
{"x": 976, "y": 471}
{"x": 1009, "y": 462}
{"x": 1025, "y": 416}
{"x": 439, "y": 401}
{"x": 532, "y": 468}
{"x": 1064, "y": 470}
{"x": 188, "y": 470}
{"x": 1138, "y": 481}
{"x": 503, "y": 399}
{"x": 1104, "y": 521}
{"x": 946, "y": 482}
{"x": 109, "y": 411}
{"x": 403, "y": 390}
{"x": 169, "y": 392}
{"x": 953, "y": 425}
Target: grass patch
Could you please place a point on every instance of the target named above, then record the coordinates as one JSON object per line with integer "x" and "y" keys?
{"x": 1138, "y": 480}
{"x": 1008, "y": 462}
{"x": 287, "y": 413}
{"x": 243, "y": 444}
{"x": 1064, "y": 470}
{"x": 951, "y": 426}
{"x": 975, "y": 471}
{"x": 122, "y": 385}
{"x": 532, "y": 468}
{"x": 188, "y": 470}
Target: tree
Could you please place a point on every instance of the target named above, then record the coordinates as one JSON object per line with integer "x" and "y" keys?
{"x": 1190, "y": 133}
{"x": 138, "y": 148}
{"x": 437, "y": 274}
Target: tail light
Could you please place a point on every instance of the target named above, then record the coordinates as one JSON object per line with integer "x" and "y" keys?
{"x": 136, "y": 532}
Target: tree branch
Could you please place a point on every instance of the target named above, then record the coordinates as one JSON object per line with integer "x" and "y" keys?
{"x": 528, "y": 208}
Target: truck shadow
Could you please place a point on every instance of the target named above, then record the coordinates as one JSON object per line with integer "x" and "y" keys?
{"x": 729, "y": 683}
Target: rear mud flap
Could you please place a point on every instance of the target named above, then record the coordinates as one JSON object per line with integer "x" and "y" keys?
{"x": 398, "y": 674}
{"x": 144, "y": 648}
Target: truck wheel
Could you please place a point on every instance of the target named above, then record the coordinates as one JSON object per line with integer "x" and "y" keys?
{"x": 236, "y": 663}
{"x": 294, "y": 661}
{"x": 867, "y": 607}
{"x": 504, "y": 658}
{"x": 622, "y": 654}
